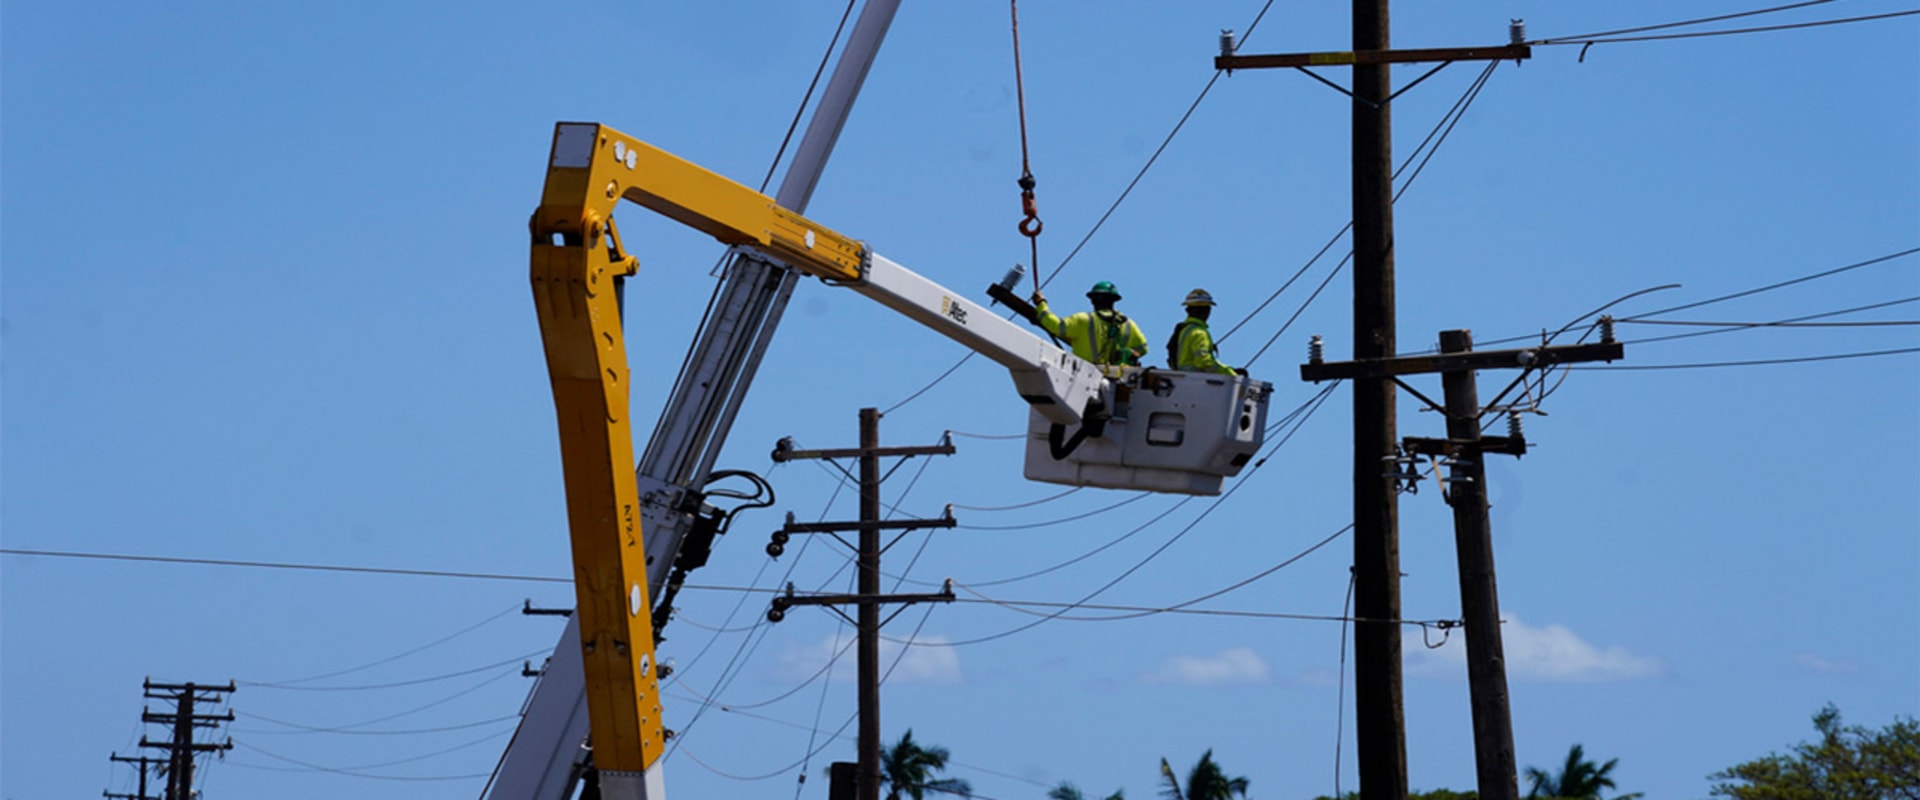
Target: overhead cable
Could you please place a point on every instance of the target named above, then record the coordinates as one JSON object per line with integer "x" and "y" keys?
{"x": 305, "y": 729}
{"x": 1772, "y": 286}
{"x": 1097, "y": 225}
{"x": 1735, "y": 31}
{"x": 393, "y": 658}
{"x": 17, "y": 551}
{"x": 1754, "y": 363}
{"x": 1150, "y": 557}
{"x": 1681, "y": 24}
{"x": 354, "y": 772}
{"x": 415, "y": 682}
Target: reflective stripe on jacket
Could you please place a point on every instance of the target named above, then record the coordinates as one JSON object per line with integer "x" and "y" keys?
{"x": 1102, "y": 337}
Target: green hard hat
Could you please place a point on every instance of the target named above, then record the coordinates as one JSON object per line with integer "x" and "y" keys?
{"x": 1104, "y": 287}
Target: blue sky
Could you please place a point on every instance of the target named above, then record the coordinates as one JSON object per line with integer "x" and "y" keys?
{"x": 264, "y": 299}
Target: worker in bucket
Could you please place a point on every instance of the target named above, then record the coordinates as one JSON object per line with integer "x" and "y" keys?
{"x": 1103, "y": 336}
{"x": 1191, "y": 348}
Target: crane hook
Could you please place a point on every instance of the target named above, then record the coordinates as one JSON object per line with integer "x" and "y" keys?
{"x": 1031, "y": 225}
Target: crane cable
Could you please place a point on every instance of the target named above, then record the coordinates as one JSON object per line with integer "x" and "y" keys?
{"x": 1030, "y": 224}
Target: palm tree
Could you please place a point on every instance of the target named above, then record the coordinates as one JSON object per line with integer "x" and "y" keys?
{"x": 1578, "y": 779}
{"x": 1204, "y": 782}
{"x": 1067, "y": 791}
{"x": 907, "y": 769}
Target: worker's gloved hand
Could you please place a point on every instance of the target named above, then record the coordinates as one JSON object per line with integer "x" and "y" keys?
{"x": 1038, "y": 298}
{"x": 1240, "y": 371}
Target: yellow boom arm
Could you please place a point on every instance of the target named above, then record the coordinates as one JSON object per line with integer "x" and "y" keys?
{"x": 576, "y": 262}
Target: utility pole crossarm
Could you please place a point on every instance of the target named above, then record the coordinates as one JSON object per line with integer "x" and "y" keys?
{"x": 785, "y": 452}
{"x": 787, "y": 601}
{"x": 1454, "y": 448}
{"x": 878, "y": 525}
{"x": 1351, "y": 57}
{"x": 1529, "y": 357}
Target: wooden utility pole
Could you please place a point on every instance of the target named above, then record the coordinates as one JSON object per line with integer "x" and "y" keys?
{"x": 1479, "y": 598}
{"x": 1465, "y": 448}
{"x": 146, "y": 764}
{"x": 869, "y": 598}
{"x": 1379, "y": 716}
{"x": 1379, "y": 713}
{"x": 182, "y": 748}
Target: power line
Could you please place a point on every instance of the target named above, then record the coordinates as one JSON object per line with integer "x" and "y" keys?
{"x": 1736, "y": 31}
{"x": 1790, "y": 322}
{"x": 1681, "y": 24}
{"x": 1770, "y": 287}
{"x": 1028, "y": 504}
{"x": 1244, "y": 479}
{"x": 1754, "y": 363}
{"x": 390, "y": 659}
{"x": 395, "y": 684}
{"x": 305, "y": 729}
{"x": 1743, "y": 325}
{"x": 16, "y": 551}
{"x": 1111, "y": 208}
{"x": 1441, "y": 130}
{"x": 409, "y": 712}
{"x": 1136, "y": 612}
{"x": 807, "y": 97}
{"x": 1050, "y": 523}
{"x": 337, "y": 771}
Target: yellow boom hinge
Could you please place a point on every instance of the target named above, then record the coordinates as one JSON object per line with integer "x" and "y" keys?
{"x": 593, "y": 166}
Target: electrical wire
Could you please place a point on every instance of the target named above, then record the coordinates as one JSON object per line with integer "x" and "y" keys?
{"x": 18, "y": 551}
{"x": 1681, "y": 24}
{"x": 1015, "y": 506}
{"x": 414, "y": 682}
{"x": 1295, "y": 413}
{"x": 1744, "y": 325}
{"x": 417, "y": 709}
{"x": 1139, "y": 612}
{"x": 305, "y": 729}
{"x": 807, "y": 97}
{"x": 353, "y": 773}
{"x": 1111, "y": 208}
{"x": 1340, "y": 706}
{"x": 1791, "y": 322}
{"x": 1050, "y": 523}
{"x": 750, "y": 644}
{"x": 1425, "y": 152}
{"x": 1000, "y": 436}
{"x": 1736, "y": 31}
{"x": 1770, "y": 287}
{"x": 1188, "y": 528}
{"x": 390, "y": 659}
{"x": 1753, "y": 363}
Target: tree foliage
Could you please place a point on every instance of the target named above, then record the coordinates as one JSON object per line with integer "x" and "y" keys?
{"x": 1578, "y": 779}
{"x": 908, "y": 769}
{"x": 1067, "y": 791}
{"x": 1849, "y": 762}
{"x": 1206, "y": 781}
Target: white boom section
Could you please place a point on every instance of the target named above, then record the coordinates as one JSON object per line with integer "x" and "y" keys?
{"x": 1057, "y": 384}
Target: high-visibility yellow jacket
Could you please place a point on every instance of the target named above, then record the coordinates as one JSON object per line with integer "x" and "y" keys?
{"x": 1194, "y": 350}
{"x": 1102, "y": 337}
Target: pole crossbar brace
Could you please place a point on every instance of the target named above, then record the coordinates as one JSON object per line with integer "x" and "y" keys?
{"x": 1521, "y": 358}
{"x": 856, "y": 525}
{"x": 784, "y": 451}
{"x": 1450, "y": 448}
{"x": 788, "y": 601}
{"x": 1352, "y": 57}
